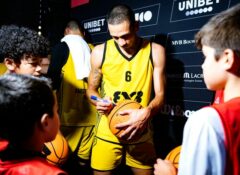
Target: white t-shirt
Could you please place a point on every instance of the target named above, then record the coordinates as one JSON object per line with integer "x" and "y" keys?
{"x": 203, "y": 151}
{"x": 80, "y": 52}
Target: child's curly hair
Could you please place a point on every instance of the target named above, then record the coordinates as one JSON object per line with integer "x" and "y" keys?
{"x": 17, "y": 42}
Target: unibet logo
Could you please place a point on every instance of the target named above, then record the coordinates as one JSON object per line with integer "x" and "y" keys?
{"x": 194, "y": 7}
{"x": 96, "y": 25}
{"x": 143, "y": 16}
{"x": 188, "y": 9}
{"x": 192, "y": 4}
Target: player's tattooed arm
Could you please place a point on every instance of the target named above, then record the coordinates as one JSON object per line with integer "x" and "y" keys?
{"x": 95, "y": 76}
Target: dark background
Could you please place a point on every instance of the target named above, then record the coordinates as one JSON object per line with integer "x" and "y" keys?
{"x": 52, "y": 15}
{"x": 166, "y": 22}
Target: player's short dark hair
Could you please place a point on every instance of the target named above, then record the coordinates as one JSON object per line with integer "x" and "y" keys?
{"x": 74, "y": 25}
{"x": 120, "y": 13}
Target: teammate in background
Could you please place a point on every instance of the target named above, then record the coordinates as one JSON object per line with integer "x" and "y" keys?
{"x": 69, "y": 69}
{"x": 72, "y": 46}
{"x": 22, "y": 50}
{"x": 211, "y": 141}
{"x": 26, "y": 124}
{"x": 126, "y": 67}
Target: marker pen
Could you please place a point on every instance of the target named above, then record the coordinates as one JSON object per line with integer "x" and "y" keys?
{"x": 93, "y": 97}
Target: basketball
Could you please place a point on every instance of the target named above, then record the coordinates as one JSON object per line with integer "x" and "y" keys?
{"x": 174, "y": 155}
{"x": 56, "y": 150}
{"x": 114, "y": 118}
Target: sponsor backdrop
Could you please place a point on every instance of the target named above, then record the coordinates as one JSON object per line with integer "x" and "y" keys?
{"x": 172, "y": 23}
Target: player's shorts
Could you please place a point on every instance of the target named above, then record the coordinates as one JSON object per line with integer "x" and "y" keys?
{"x": 80, "y": 139}
{"x": 107, "y": 155}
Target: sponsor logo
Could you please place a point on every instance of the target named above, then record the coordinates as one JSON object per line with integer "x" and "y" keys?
{"x": 184, "y": 108}
{"x": 188, "y": 9}
{"x": 96, "y": 25}
{"x": 176, "y": 110}
{"x": 181, "y": 42}
{"x": 193, "y": 77}
{"x": 186, "y": 77}
{"x": 147, "y": 15}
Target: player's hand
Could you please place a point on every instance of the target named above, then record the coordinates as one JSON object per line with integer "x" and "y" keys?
{"x": 164, "y": 167}
{"x": 136, "y": 125}
{"x": 104, "y": 106}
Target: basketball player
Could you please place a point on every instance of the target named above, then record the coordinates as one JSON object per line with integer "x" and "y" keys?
{"x": 211, "y": 141}
{"x": 29, "y": 118}
{"x": 126, "y": 67}
{"x": 69, "y": 69}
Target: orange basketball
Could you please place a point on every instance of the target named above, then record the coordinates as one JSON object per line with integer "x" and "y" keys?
{"x": 56, "y": 150}
{"x": 114, "y": 118}
{"x": 174, "y": 155}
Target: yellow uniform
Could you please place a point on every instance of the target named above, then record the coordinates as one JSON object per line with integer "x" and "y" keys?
{"x": 3, "y": 68}
{"x": 124, "y": 78}
{"x": 77, "y": 115}
{"x": 91, "y": 46}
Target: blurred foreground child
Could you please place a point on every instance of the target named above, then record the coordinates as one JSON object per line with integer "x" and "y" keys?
{"x": 211, "y": 141}
{"x": 28, "y": 119}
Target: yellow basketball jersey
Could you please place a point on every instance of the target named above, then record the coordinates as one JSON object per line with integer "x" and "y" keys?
{"x": 125, "y": 78}
{"x": 74, "y": 107}
{"x": 3, "y": 68}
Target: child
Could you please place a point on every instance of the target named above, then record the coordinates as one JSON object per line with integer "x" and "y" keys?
{"x": 211, "y": 141}
{"x": 22, "y": 49}
{"x": 29, "y": 118}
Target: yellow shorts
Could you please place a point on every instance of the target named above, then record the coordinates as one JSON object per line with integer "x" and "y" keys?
{"x": 107, "y": 155}
{"x": 79, "y": 139}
